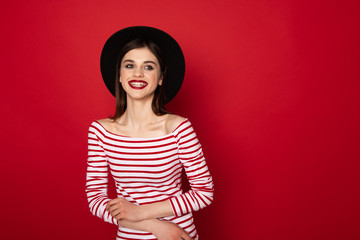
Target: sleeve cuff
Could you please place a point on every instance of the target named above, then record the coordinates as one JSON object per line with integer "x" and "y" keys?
{"x": 176, "y": 207}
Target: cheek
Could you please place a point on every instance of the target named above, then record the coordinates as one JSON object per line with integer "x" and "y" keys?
{"x": 157, "y": 76}
{"x": 151, "y": 76}
{"x": 122, "y": 73}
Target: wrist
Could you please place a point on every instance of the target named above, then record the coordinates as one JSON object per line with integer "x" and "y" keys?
{"x": 156, "y": 210}
{"x": 153, "y": 226}
{"x": 144, "y": 212}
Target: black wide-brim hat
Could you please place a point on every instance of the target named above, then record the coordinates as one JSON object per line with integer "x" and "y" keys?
{"x": 171, "y": 50}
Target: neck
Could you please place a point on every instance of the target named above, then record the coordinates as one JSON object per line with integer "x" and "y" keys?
{"x": 138, "y": 113}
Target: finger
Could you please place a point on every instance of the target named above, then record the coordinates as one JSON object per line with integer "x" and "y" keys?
{"x": 110, "y": 208}
{"x": 115, "y": 212}
{"x": 118, "y": 202}
{"x": 113, "y": 208}
{"x": 186, "y": 236}
{"x": 114, "y": 201}
{"x": 110, "y": 203}
{"x": 119, "y": 216}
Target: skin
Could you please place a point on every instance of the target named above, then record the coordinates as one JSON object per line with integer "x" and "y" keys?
{"x": 140, "y": 121}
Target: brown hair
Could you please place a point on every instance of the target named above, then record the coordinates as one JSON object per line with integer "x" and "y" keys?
{"x": 158, "y": 101}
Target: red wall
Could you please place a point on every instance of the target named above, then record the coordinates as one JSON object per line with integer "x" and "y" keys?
{"x": 272, "y": 89}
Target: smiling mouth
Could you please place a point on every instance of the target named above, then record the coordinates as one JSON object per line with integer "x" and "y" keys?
{"x": 137, "y": 84}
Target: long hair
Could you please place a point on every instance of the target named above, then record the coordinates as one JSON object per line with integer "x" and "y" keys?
{"x": 158, "y": 101}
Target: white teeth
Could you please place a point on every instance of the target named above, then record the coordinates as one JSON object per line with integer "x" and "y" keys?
{"x": 138, "y": 84}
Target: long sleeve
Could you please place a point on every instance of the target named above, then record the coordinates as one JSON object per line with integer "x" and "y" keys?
{"x": 97, "y": 178}
{"x": 191, "y": 155}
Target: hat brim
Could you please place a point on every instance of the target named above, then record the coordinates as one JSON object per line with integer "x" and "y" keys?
{"x": 171, "y": 50}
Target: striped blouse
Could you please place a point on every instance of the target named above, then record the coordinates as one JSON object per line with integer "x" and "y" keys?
{"x": 148, "y": 170}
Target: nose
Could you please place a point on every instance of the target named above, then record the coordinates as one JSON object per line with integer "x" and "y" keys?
{"x": 138, "y": 72}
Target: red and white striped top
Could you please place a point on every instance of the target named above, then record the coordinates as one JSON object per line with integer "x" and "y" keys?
{"x": 148, "y": 170}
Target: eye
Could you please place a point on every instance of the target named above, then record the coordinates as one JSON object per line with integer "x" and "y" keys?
{"x": 129, "y": 66}
{"x": 149, "y": 67}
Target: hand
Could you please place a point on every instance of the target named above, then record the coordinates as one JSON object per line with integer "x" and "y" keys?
{"x": 121, "y": 209}
{"x": 169, "y": 231}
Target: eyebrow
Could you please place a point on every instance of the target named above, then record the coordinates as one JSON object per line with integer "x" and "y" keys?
{"x": 129, "y": 60}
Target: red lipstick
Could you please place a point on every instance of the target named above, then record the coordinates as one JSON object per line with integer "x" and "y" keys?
{"x": 137, "y": 84}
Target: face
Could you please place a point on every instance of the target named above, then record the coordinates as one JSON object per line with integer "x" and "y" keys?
{"x": 140, "y": 73}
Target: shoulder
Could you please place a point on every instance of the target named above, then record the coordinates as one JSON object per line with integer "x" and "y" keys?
{"x": 106, "y": 123}
{"x": 173, "y": 122}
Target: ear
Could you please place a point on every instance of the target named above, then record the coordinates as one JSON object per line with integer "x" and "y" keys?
{"x": 160, "y": 80}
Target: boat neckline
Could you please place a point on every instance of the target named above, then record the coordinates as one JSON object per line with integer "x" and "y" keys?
{"x": 146, "y": 138}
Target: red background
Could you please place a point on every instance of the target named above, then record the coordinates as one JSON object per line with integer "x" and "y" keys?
{"x": 272, "y": 89}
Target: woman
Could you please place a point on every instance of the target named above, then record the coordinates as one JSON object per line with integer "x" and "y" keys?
{"x": 144, "y": 146}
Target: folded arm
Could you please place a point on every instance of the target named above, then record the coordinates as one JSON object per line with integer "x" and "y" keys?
{"x": 96, "y": 191}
